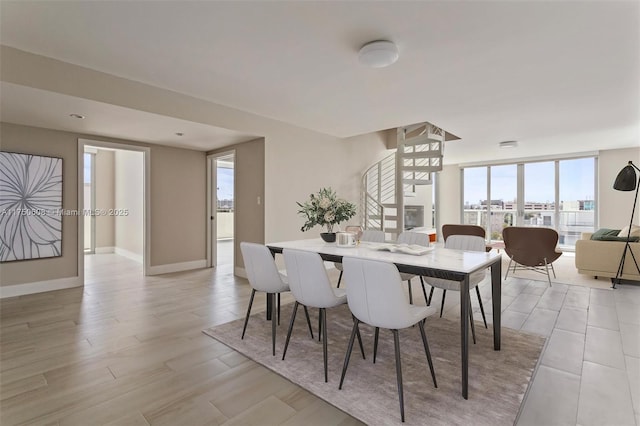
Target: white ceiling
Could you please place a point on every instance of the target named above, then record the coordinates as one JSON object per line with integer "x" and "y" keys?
{"x": 556, "y": 76}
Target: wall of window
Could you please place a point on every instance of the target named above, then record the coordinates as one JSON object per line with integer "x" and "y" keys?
{"x": 558, "y": 194}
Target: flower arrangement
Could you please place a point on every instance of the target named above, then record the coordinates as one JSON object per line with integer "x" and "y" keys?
{"x": 325, "y": 209}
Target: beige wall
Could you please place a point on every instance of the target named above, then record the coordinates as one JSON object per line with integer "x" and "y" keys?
{"x": 31, "y": 140}
{"x": 178, "y": 205}
{"x": 298, "y": 167}
{"x": 177, "y": 196}
{"x": 129, "y": 198}
{"x": 615, "y": 206}
{"x": 105, "y": 198}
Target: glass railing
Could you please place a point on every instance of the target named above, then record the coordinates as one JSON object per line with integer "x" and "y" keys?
{"x": 572, "y": 223}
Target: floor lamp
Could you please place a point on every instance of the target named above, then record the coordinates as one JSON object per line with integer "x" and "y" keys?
{"x": 627, "y": 181}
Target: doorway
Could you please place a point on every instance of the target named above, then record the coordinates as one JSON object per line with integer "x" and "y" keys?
{"x": 221, "y": 202}
{"x": 113, "y": 191}
{"x": 89, "y": 200}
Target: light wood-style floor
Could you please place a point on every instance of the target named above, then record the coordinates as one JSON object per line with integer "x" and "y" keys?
{"x": 128, "y": 350}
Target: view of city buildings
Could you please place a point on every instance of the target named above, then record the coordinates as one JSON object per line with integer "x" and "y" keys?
{"x": 575, "y": 217}
{"x": 225, "y": 205}
{"x": 526, "y": 194}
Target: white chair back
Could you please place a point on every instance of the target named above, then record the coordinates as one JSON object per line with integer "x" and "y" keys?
{"x": 465, "y": 242}
{"x": 372, "y": 236}
{"x": 375, "y": 295}
{"x": 262, "y": 271}
{"x": 408, "y": 237}
{"x": 468, "y": 243}
{"x": 308, "y": 279}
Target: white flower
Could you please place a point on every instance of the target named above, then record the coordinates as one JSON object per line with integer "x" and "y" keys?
{"x": 324, "y": 203}
{"x": 326, "y": 209}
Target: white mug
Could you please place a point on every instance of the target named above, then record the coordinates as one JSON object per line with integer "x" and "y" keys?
{"x": 345, "y": 239}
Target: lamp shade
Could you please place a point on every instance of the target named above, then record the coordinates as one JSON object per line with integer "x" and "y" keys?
{"x": 626, "y": 179}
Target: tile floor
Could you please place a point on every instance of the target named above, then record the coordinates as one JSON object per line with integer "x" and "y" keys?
{"x": 589, "y": 372}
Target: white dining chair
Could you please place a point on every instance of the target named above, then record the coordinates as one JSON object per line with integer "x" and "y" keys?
{"x": 375, "y": 297}
{"x": 311, "y": 287}
{"x": 263, "y": 275}
{"x": 469, "y": 243}
{"x": 368, "y": 235}
{"x": 421, "y": 239}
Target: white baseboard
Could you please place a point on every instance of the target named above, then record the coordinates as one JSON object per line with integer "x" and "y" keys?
{"x": 105, "y": 250}
{"x": 39, "y": 287}
{"x": 177, "y": 267}
{"x": 240, "y": 272}
{"x": 129, "y": 254}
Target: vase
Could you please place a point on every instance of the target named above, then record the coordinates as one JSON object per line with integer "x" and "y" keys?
{"x": 329, "y": 237}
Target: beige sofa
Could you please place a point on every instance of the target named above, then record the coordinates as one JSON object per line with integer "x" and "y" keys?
{"x": 602, "y": 258}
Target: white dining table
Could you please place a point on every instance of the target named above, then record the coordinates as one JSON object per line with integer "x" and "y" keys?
{"x": 438, "y": 262}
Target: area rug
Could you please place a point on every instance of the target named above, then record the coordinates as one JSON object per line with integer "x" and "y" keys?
{"x": 498, "y": 380}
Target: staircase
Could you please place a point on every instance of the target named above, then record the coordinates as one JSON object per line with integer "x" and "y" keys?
{"x": 418, "y": 155}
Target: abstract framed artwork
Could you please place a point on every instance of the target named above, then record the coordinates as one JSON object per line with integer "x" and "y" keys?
{"x": 30, "y": 206}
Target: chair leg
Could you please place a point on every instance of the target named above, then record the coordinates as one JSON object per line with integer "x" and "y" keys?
{"x": 410, "y": 292}
{"x": 553, "y": 270}
{"x": 546, "y": 266}
{"x": 424, "y": 292}
{"x": 375, "y": 344}
{"x": 278, "y": 308}
{"x": 359, "y": 340}
{"x": 396, "y": 343}
{"x": 323, "y": 313}
{"x": 473, "y": 327}
{"x": 347, "y": 356}
{"x": 246, "y": 320}
{"x": 428, "y": 352}
{"x": 481, "y": 307}
{"x": 319, "y": 323}
{"x": 306, "y": 313}
{"x": 340, "y": 279}
{"x": 430, "y": 296}
{"x": 273, "y": 322}
{"x": 508, "y": 267}
{"x": 444, "y": 294}
{"x": 293, "y": 318}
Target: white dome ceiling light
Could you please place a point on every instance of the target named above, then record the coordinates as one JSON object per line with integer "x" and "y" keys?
{"x": 378, "y": 54}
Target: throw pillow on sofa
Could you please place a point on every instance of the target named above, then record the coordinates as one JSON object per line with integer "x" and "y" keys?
{"x": 616, "y": 238}
{"x": 635, "y": 231}
{"x": 605, "y": 232}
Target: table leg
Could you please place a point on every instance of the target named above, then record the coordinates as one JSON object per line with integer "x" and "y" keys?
{"x": 496, "y": 300}
{"x": 464, "y": 334}
{"x": 269, "y": 301}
